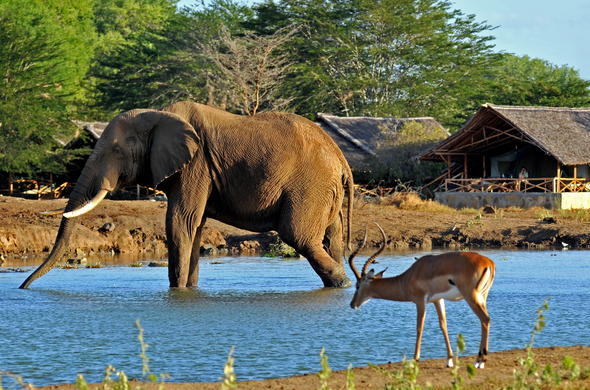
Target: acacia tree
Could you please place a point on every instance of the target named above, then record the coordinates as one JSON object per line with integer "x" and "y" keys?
{"x": 521, "y": 80}
{"x": 248, "y": 70}
{"x": 391, "y": 57}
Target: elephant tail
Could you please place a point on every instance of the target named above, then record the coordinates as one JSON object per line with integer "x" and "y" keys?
{"x": 349, "y": 182}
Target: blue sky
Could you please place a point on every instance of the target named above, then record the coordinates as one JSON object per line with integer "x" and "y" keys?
{"x": 555, "y": 30}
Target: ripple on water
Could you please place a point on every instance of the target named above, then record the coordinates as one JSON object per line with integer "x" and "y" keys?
{"x": 271, "y": 311}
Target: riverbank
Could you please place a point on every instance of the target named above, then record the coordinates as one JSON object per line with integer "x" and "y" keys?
{"x": 136, "y": 228}
{"x": 499, "y": 372}
{"x": 124, "y": 229}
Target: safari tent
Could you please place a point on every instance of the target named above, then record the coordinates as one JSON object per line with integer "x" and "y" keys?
{"x": 517, "y": 156}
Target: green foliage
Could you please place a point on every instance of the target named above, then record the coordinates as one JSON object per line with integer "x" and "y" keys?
{"x": 229, "y": 376}
{"x": 529, "y": 376}
{"x": 145, "y": 368}
{"x": 326, "y": 372}
{"x": 18, "y": 380}
{"x": 136, "y": 64}
{"x": 278, "y": 248}
{"x": 45, "y": 50}
{"x": 400, "y": 58}
{"x": 404, "y": 379}
{"x": 533, "y": 81}
{"x": 90, "y": 59}
{"x": 396, "y": 153}
{"x": 457, "y": 381}
{"x": 350, "y": 384}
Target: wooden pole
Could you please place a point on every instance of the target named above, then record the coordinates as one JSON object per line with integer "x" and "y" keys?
{"x": 484, "y": 166}
{"x": 465, "y": 166}
{"x": 575, "y": 171}
{"x": 558, "y": 189}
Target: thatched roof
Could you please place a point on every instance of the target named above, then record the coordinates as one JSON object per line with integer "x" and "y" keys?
{"x": 95, "y": 129}
{"x": 561, "y": 132}
{"x": 358, "y": 137}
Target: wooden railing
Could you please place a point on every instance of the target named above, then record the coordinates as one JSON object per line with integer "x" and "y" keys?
{"x": 537, "y": 184}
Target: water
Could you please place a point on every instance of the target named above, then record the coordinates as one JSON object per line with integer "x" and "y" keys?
{"x": 271, "y": 311}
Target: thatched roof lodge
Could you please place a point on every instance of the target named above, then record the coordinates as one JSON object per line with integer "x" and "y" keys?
{"x": 513, "y": 149}
{"x": 360, "y": 137}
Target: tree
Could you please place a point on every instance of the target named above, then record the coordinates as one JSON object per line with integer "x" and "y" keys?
{"x": 136, "y": 47}
{"x": 390, "y": 57}
{"x": 531, "y": 81}
{"x": 248, "y": 71}
{"x": 45, "y": 49}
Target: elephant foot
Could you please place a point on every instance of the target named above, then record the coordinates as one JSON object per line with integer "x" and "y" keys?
{"x": 339, "y": 282}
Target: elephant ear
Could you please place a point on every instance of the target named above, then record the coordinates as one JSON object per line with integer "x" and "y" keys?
{"x": 173, "y": 143}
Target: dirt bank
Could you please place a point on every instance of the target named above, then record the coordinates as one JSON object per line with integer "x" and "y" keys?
{"x": 137, "y": 229}
{"x": 498, "y": 373}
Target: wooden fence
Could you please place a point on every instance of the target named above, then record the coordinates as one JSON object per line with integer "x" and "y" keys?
{"x": 537, "y": 184}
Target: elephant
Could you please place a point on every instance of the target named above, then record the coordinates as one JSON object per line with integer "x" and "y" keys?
{"x": 271, "y": 171}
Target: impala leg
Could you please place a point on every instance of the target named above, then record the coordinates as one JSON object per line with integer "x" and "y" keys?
{"x": 478, "y": 306}
{"x": 421, "y": 311}
{"x": 442, "y": 322}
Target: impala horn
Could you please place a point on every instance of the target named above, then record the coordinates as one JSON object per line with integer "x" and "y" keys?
{"x": 371, "y": 259}
{"x": 353, "y": 254}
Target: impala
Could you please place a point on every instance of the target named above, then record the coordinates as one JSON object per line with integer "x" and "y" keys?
{"x": 432, "y": 278}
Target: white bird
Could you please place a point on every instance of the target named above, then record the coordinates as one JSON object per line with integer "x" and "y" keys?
{"x": 564, "y": 246}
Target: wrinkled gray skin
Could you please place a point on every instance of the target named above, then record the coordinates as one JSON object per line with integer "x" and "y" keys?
{"x": 272, "y": 171}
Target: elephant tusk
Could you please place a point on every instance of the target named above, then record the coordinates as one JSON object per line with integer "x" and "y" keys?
{"x": 88, "y": 206}
{"x": 52, "y": 212}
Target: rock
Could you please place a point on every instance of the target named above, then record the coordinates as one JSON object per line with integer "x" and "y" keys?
{"x": 549, "y": 220}
{"x": 489, "y": 210}
{"x": 136, "y": 231}
{"x": 208, "y": 250}
{"x": 249, "y": 247}
{"x": 107, "y": 227}
{"x": 77, "y": 261}
{"x": 158, "y": 264}
{"x": 213, "y": 237}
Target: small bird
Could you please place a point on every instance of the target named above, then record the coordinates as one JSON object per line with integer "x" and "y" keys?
{"x": 564, "y": 246}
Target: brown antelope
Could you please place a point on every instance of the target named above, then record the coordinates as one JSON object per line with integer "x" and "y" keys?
{"x": 432, "y": 278}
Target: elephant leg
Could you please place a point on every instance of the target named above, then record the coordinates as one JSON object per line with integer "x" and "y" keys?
{"x": 181, "y": 230}
{"x": 330, "y": 271}
{"x": 193, "y": 271}
{"x": 315, "y": 231}
{"x": 333, "y": 241}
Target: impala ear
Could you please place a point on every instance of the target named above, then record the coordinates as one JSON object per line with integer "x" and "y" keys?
{"x": 380, "y": 274}
{"x": 371, "y": 274}
{"x": 173, "y": 143}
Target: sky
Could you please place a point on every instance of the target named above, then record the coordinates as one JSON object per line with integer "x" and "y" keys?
{"x": 554, "y": 30}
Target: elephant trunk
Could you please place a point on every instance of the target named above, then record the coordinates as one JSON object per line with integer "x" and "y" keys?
{"x": 88, "y": 187}
{"x": 63, "y": 237}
